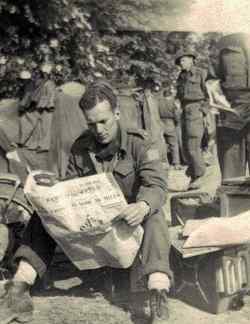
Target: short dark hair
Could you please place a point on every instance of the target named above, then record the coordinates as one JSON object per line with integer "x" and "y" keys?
{"x": 96, "y": 93}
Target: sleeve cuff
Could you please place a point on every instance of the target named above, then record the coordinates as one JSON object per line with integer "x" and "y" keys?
{"x": 149, "y": 196}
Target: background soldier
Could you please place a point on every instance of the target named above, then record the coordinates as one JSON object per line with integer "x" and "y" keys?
{"x": 191, "y": 90}
{"x": 233, "y": 132}
{"x": 170, "y": 114}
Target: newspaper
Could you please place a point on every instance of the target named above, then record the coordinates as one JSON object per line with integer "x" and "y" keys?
{"x": 225, "y": 109}
{"x": 82, "y": 215}
{"x": 228, "y": 116}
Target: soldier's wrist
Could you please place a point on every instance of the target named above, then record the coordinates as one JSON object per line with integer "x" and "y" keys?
{"x": 146, "y": 206}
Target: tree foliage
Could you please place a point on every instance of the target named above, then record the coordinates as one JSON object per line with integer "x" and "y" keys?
{"x": 80, "y": 40}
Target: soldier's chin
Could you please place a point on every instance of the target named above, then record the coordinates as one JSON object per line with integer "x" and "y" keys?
{"x": 103, "y": 139}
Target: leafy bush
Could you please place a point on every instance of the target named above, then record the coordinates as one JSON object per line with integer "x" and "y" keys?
{"x": 78, "y": 40}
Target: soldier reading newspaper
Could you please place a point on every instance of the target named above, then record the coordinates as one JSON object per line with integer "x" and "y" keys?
{"x": 132, "y": 158}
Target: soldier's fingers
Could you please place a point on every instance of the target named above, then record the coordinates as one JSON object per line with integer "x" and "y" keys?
{"x": 135, "y": 222}
{"x": 131, "y": 217}
{"x": 131, "y": 214}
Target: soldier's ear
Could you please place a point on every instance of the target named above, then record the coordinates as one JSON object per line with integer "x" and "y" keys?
{"x": 117, "y": 114}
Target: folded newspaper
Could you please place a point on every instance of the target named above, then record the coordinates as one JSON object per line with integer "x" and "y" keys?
{"x": 82, "y": 215}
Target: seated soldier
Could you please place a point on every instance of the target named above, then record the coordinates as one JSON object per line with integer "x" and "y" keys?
{"x": 134, "y": 161}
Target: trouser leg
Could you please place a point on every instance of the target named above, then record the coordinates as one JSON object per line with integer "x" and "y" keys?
{"x": 156, "y": 245}
{"x": 154, "y": 264}
{"x": 231, "y": 147}
{"x": 192, "y": 137}
{"x": 37, "y": 246}
{"x": 196, "y": 160}
{"x": 180, "y": 131}
{"x": 172, "y": 141}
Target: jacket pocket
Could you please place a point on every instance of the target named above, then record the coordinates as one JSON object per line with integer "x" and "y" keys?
{"x": 124, "y": 168}
{"x": 124, "y": 174}
{"x": 193, "y": 88}
{"x": 193, "y": 111}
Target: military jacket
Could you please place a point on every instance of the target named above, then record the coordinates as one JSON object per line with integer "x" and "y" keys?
{"x": 136, "y": 166}
{"x": 191, "y": 85}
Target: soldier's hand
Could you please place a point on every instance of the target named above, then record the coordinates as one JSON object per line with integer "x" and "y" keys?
{"x": 134, "y": 213}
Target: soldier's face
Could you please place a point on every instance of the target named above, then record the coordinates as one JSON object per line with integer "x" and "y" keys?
{"x": 186, "y": 62}
{"x": 102, "y": 122}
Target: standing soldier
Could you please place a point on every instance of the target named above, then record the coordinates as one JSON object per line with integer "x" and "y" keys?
{"x": 191, "y": 90}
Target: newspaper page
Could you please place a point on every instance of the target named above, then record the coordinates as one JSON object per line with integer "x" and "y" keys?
{"x": 82, "y": 215}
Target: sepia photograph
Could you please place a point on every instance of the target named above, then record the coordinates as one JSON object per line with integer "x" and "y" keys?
{"x": 124, "y": 161}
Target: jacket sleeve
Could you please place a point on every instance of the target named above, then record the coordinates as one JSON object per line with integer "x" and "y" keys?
{"x": 72, "y": 170}
{"x": 153, "y": 186}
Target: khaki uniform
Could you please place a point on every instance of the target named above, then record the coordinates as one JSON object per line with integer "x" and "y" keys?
{"x": 134, "y": 162}
{"x": 170, "y": 119}
{"x": 191, "y": 90}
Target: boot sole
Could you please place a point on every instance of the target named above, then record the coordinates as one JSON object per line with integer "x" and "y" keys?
{"x": 24, "y": 318}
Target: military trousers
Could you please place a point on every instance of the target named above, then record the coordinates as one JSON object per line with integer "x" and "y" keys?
{"x": 38, "y": 247}
{"x": 193, "y": 132}
{"x": 173, "y": 148}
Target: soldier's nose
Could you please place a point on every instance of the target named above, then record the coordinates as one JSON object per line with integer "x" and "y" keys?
{"x": 99, "y": 128}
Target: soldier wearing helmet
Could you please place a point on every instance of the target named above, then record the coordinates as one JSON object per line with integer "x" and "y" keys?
{"x": 191, "y": 91}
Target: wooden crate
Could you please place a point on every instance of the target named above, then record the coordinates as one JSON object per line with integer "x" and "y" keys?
{"x": 214, "y": 282}
{"x": 191, "y": 205}
{"x": 234, "y": 199}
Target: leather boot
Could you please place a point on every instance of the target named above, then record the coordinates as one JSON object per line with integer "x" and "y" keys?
{"x": 16, "y": 303}
{"x": 159, "y": 306}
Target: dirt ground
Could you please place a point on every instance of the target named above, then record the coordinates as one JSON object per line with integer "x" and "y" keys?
{"x": 72, "y": 309}
{"x": 69, "y": 296}
{"x": 69, "y": 301}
